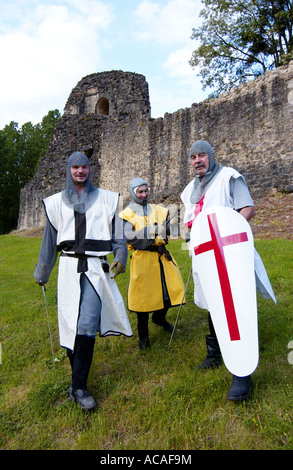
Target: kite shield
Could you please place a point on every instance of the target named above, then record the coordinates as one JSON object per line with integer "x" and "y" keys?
{"x": 223, "y": 269}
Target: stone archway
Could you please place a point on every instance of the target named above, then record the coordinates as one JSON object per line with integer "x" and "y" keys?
{"x": 102, "y": 107}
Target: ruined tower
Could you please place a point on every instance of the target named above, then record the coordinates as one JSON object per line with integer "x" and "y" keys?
{"x": 98, "y": 116}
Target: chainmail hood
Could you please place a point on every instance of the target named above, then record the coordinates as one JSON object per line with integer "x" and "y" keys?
{"x": 133, "y": 185}
{"x": 72, "y": 197}
{"x": 201, "y": 182}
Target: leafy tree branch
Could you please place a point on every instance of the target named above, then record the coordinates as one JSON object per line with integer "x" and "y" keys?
{"x": 240, "y": 40}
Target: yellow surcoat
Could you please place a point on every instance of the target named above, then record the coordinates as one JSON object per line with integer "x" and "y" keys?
{"x": 147, "y": 268}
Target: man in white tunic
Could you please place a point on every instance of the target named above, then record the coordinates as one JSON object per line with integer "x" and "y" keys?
{"x": 83, "y": 224}
{"x": 219, "y": 186}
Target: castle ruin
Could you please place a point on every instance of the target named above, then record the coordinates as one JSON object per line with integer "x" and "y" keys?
{"x": 108, "y": 118}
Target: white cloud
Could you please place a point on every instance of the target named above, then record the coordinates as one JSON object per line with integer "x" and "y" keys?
{"x": 177, "y": 64}
{"x": 168, "y": 27}
{"x": 46, "y": 51}
{"x": 169, "y": 24}
{"x": 146, "y": 12}
{"x": 47, "y": 46}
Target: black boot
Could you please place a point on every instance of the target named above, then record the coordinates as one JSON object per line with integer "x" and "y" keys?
{"x": 143, "y": 331}
{"x": 144, "y": 344}
{"x": 159, "y": 318}
{"x": 70, "y": 356}
{"x": 240, "y": 389}
{"x": 214, "y": 356}
{"x": 82, "y": 360}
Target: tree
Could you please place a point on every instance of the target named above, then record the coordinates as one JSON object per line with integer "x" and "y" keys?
{"x": 240, "y": 40}
{"x": 20, "y": 153}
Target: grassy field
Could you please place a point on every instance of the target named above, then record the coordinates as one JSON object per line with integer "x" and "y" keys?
{"x": 153, "y": 400}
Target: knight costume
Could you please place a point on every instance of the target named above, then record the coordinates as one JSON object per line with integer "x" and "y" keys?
{"x": 155, "y": 279}
{"x": 84, "y": 228}
{"x": 220, "y": 186}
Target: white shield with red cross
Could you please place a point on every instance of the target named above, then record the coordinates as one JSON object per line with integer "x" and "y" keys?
{"x": 223, "y": 263}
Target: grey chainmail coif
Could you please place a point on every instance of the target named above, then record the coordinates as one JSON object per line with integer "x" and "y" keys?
{"x": 133, "y": 185}
{"x": 72, "y": 197}
{"x": 201, "y": 182}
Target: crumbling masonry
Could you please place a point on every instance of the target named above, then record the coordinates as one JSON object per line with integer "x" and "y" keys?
{"x": 108, "y": 117}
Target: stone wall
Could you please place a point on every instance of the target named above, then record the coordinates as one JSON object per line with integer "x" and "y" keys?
{"x": 107, "y": 116}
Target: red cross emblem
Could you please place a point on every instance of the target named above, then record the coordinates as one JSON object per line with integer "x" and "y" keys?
{"x": 217, "y": 244}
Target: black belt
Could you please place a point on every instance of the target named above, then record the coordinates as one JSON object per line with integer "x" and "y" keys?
{"x": 82, "y": 265}
{"x": 161, "y": 249}
{"x": 158, "y": 248}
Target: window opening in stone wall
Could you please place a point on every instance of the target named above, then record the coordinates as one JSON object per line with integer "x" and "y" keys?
{"x": 102, "y": 107}
{"x": 88, "y": 152}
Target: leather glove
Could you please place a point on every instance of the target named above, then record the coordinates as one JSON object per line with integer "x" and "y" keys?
{"x": 187, "y": 237}
{"x": 152, "y": 231}
{"x": 119, "y": 269}
{"x": 161, "y": 231}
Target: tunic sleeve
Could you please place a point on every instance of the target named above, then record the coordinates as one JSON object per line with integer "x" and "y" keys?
{"x": 118, "y": 241}
{"x": 240, "y": 193}
{"x": 137, "y": 238}
{"x": 48, "y": 254}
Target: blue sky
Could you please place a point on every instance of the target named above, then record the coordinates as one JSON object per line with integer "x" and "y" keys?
{"x": 46, "y": 47}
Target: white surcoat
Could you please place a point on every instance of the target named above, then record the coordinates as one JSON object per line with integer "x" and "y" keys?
{"x": 218, "y": 194}
{"x": 90, "y": 235}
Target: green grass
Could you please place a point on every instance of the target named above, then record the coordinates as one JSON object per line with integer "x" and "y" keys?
{"x": 146, "y": 401}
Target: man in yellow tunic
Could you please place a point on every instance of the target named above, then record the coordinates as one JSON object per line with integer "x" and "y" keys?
{"x": 155, "y": 280}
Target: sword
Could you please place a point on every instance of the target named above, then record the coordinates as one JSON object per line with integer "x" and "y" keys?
{"x": 180, "y": 308}
{"x": 44, "y": 294}
{"x": 176, "y": 213}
